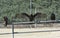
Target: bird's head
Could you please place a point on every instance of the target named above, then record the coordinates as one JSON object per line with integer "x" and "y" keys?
{"x": 31, "y": 15}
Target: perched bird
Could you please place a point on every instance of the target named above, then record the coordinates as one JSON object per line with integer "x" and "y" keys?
{"x": 31, "y": 16}
{"x": 52, "y": 16}
{"x": 5, "y": 20}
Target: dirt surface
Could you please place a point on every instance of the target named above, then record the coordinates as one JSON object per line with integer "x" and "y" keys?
{"x": 31, "y": 31}
{"x": 31, "y": 25}
{"x": 45, "y": 32}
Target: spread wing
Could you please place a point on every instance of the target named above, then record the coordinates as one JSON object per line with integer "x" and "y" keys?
{"x": 25, "y": 15}
{"x": 40, "y": 15}
{"x": 37, "y": 15}
{"x": 17, "y": 15}
{"x": 22, "y": 15}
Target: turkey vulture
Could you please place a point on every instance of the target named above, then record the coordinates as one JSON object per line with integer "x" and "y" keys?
{"x": 52, "y": 16}
{"x": 5, "y": 20}
{"x": 31, "y": 16}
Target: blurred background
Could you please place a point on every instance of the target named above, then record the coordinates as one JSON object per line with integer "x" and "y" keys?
{"x": 10, "y": 8}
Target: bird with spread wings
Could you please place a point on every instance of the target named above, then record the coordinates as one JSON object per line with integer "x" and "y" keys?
{"x": 31, "y": 16}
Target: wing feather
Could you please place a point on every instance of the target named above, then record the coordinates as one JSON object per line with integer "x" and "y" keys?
{"x": 37, "y": 15}
{"x": 25, "y": 14}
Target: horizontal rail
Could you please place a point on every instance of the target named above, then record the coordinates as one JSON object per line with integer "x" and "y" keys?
{"x": 49, "y": 21}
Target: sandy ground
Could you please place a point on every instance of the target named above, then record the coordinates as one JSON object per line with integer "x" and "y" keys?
{"x": 45, "y": 32}
{"x": 41, "y": 31}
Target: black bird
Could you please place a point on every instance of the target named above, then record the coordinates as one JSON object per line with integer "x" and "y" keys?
{"x": 31, "y": 16}
{"x": 52, "y": 16}
{"x": 5, "y": 20}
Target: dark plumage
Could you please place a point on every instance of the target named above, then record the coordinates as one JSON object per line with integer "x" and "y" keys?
{"x": 31, "y": 17}
{"x": 5, "y": 20}
{"x": 52, "y": 16}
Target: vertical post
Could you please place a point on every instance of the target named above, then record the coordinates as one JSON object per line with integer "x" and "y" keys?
{"x": 12, "y": 30}
{"x": 30, "y": 9}
{"x": 12, "y": 23}
{"x": 30, "y": 6}
{"x": 35, "y": 19}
